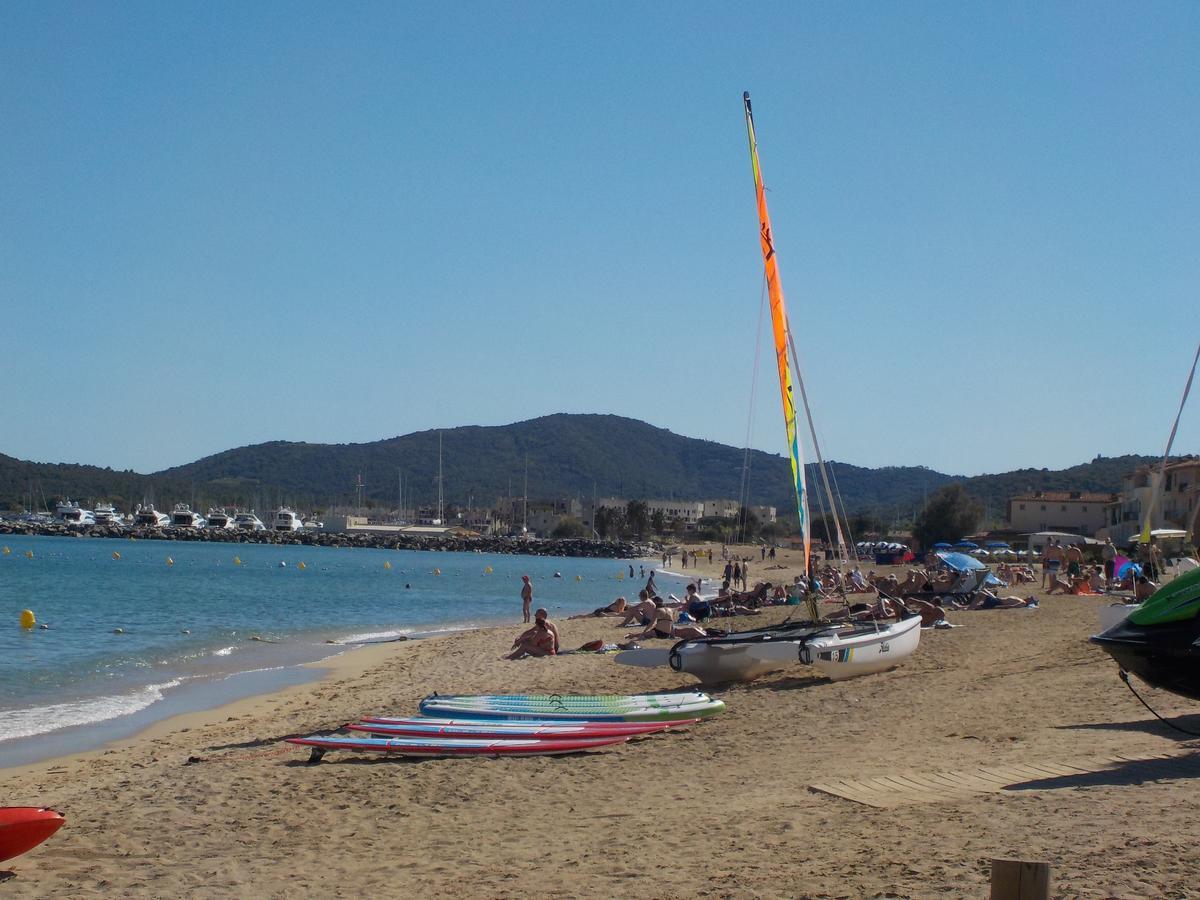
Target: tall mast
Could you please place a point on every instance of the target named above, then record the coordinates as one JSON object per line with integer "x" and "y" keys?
{"x": 441, "y": 516}
{"x": 782, "y": 331}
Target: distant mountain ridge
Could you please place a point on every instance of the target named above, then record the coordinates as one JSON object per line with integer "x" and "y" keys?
{"x": 568, "y": 455}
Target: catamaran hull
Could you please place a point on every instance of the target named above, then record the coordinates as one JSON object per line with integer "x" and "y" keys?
{"x": 848, "y": 655}
{"x": 836, "y": 652}
{"x": 714, "y": 663}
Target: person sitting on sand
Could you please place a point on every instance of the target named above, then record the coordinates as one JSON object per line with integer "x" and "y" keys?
{"x": 664, "y": 627}
{"x": 536, "y": 641}
{"x": 616, "y": 608}
{"x": 1144, "y": 588}
{"x": 641, "y": 613}
{"x": 857, "y": 584}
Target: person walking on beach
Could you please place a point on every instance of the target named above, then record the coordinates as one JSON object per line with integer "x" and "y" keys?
{"x": 526, "y": 598}
{"x": 1109, "y": 553}
{"x": 1051, "y": 561}
{"x": 729, "y": 572}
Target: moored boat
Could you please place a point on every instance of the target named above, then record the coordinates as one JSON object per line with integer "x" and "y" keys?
{"x": 106, "y": 514}
{"x": 219, "y": 520}
{"x": 149, "y": 517}
{"x": 286, "y": 520}
{"x": 71, "y": 513}
{"x": 248, "y": 521}
{"x": 183, "y": 516}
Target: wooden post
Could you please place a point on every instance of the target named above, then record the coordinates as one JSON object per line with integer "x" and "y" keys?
{"x": 1018, "y": 879}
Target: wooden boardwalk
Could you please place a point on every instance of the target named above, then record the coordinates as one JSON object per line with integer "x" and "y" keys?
{"x": 906, "y": 788}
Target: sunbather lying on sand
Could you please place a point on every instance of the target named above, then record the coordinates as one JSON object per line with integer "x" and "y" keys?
{"x": 616, "y": 608}
{"x": 988, "y": 600}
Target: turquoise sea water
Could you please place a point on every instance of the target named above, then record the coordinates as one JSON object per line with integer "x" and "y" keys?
{"x": 194, "y": 621}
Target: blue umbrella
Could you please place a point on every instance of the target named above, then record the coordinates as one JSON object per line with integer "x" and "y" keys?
{"x": 997, "y": 544}
{"x": 1127, "y": 568}
{"x": 942, "y": 545}
{"x": 968, "y": 544}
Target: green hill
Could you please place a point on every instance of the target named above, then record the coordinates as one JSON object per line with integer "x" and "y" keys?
{"x": 568, "y": 455}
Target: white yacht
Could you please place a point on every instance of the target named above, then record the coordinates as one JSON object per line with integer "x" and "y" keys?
{"x": 248, "y": 521}
{"x": 286, "y": 520}
{"x": 313, "y": 525}
{"x": 149, "y": 517}
{"x": 106, "y": 514}
{"x": 219, "y": 519}
{"x": 182, "y": 516}
{"x": 70, "y": 513}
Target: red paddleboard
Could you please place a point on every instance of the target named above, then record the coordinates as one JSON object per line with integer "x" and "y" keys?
{"x": 24, "y": 827}
{"x": 482, "y": 728}
{"x": 443, "y": 746}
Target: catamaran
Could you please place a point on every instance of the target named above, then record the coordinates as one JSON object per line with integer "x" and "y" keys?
{"x": 836, "y": 650}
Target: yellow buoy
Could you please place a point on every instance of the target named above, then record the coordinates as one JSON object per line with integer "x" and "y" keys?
{"x": 579, "y": 578}
{"x": 437, "y": 571}
{"x": 29, "y": 554}
{"x": 28, "y": 619}
{"x": 621, "y": 577}
{"x": 487, "y": 571}
{"x": 301, "y": 566}
{"x": 387, "y": 565}
{"x": 170, "y": 562}
{"x": 237, "y": 560}
{"x": 116, "y": 555}
{"x": 6, "y": 551}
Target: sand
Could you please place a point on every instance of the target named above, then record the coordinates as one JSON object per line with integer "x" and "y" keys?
{"x": 722, "y": 810}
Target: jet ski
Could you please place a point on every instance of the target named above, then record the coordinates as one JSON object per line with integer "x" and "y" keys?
{"x": 1160, "y": 641}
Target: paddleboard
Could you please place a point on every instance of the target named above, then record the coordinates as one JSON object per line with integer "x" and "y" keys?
{"x": 644, "y": 714}
{"x": 484, "y": 729}
{"x": 558, "y": 706}
{"x": 445, "y": 746}
{"x": 672, "y": 699}
{"x": 24, "y": 827}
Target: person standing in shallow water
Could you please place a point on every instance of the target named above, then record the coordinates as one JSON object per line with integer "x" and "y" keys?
{"x": 526, "y": 598}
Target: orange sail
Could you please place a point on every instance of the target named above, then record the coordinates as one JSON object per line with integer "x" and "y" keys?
{"x": 779, "y": 325}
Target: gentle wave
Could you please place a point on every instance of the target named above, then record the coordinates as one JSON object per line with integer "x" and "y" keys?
{"x": 23, "y": 723}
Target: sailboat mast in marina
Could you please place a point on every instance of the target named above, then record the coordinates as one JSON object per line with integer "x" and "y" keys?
{"x": 781, "y": 331}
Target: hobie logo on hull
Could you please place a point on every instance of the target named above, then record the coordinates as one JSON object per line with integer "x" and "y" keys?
{"x": 884, "y": 647}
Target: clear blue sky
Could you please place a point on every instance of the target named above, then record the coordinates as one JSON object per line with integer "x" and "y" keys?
{"x": 228, "y": 223}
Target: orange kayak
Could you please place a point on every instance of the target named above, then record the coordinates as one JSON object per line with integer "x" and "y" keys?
{"x": 24, "y": 827}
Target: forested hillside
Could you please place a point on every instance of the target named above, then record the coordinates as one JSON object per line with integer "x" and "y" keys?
{"x": 567, "y": 455}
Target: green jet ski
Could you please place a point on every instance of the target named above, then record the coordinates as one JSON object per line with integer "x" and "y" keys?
{"x": 1160, "y": 641}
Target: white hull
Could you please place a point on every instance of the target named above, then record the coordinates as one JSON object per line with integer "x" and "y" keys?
{"x": 838, "y": 652}
{"x": 838, "y": 656}
{"x": 286, "y": 520}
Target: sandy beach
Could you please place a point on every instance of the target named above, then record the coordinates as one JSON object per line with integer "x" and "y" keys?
{"x": 214, "y": 805}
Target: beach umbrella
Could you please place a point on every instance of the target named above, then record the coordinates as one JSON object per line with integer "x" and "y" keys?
{"x": 997, "y": 544}
{"x": 942, "y": 545}
{"x": 1128, "y": 568}
{"x": 970, "y": 545}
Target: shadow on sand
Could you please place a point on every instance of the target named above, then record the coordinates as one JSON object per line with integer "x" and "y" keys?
{"x": 1133, "y": 772}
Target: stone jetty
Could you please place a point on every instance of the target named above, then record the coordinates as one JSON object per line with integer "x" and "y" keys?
{"x": 379, "y": 541}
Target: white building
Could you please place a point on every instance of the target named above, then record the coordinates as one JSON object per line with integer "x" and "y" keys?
{"x": 1074, "y": 512}
{"x": 1177, "y": 507}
